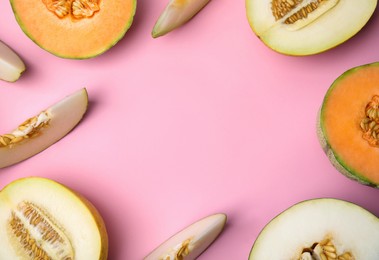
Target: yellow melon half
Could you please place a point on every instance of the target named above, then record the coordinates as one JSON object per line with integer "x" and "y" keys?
{"x": 348, "y": 125}
{"x": 76, "y": 29}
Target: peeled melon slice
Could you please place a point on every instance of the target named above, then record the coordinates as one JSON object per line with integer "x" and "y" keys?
{"x": 76, "y": 29}
{"x": 42, "y": 219}
{"x": 320, "y": 229}
{"x": 11, "y": 66}
{"x": 348, "y": 124}
{"x": 43, "y": 130}
{"x": 176, "y": 13}
{"x": 192, "y": 241}
{"x": 305, "y": 27}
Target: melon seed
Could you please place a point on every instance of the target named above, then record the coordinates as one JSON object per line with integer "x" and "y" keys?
{"x": 38, "y": 234}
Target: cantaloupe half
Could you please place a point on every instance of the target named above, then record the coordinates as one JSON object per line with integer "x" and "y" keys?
{"x": 348, "y": 124}
{"x": 44, "y": 129}
{"x": 305, "y": 27}
{"x": 319, "y": 229}
{"x": 43, "y": 219}
{"x": 76, "y": 29}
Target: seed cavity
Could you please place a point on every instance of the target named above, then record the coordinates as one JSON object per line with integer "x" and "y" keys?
{"x": 324, "y": 250}
{"x": 76, "y": 9}
{"x": 370, "y": 123}
{"x": 179, "y": 252}
{"x": 29, "y": 129}
{"x": 38, "y": 234}
{"x": 299, "y": 13}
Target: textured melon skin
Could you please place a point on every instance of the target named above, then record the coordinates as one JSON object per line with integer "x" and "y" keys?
{"x": 333, "y": 157}
{"x": 105, "y": 48}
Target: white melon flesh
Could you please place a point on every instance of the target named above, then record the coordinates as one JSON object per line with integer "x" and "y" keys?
{"x": 192, "y": 241}
{"x": 176, "y": 13}
{"x": 330, "y": 24}
{"x": 43, "y": 130}
{"x": 40, "y": 217}
{"x": 11, "y": 66}
{"x": 304, "y": 229}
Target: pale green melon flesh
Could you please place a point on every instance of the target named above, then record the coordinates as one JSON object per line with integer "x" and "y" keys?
{"x": 77, "y": 223}
{"x": 62, "y": 118}
{"x": 11, "y": 65}
{"x": 350, "y": 228}
{"x": 191, "y": 241}
{"x": 328, "y": 30}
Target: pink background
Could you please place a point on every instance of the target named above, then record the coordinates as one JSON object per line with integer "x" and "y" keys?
{"x": 206, "y": 119}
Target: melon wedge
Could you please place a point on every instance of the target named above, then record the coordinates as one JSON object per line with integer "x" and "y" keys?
{"x": 76, "y": 29}
{"x": 305, "y": 27}
{"x": 319, "y": 229}
{"x": 176, "y": 13}
{"x": 192, "y": 241}
{"x": 11, "y": 66}
{"x": 348, "y": 124}
{"x": 42, "y": 219}
{"x": 43, "y": 130}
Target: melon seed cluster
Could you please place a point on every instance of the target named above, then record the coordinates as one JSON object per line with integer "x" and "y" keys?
{"x": 370, "y": 123}
{"x": 78, "y": 9}
{"x": 325, "y": 250}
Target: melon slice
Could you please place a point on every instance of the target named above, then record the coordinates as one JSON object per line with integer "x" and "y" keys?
{"x": 43, "y": 130}
{"x": 348, "y": 124}
{"x": 11, "y": 66}
{"x": 305, "y": 27}
{"x": 42, "y": 219}
{"x": 320, "y": 229}
{"x": 192, "y": 241}
{"x": 176, "y": 13}
{"x": 76, "y": 29}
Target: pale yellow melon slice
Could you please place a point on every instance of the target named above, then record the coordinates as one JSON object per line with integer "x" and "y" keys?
{"x": 176, "y": 13}
{"x": 43, "y": 130}
{"x": 42, "y": 219}
{"x": 192, "y": 241}
{"x": 11, "y": 65}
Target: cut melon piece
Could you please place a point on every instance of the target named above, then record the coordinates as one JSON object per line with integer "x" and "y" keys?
{"x": 319, "y": 229}
{"x": 192, "y": 241}
{"x": 43, "y": 130}
{"x": 76, "y": 29}
{"x": 305, "y": 27}
{"x": 176, "y": 13}
{"x": 11, "y": 66}
{"x": 348, "y": 124}
{"x": 42, "y": 219}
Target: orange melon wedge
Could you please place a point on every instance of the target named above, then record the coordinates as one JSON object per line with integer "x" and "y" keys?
{"x": 348, "y": 124}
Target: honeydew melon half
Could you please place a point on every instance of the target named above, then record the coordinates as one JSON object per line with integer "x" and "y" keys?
{"x": 11, "y": 65}
{"x": 348, "y": 124}
{"x": 319, "y": 229}
{"x": 76, "y": 29}
{"x": 42, "y": 219}
{"x": 43, "y": 130}
{"x": 192, "y": 241}
{"x": 305, "y": 27}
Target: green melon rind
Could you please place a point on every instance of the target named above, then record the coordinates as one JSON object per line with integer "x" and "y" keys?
{"x": 333, "y": 157}
{"x": 122, "y": 34}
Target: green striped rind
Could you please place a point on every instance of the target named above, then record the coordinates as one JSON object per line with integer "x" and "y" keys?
{"x": 128, "y": 24}
{"x": 336, "y": 161}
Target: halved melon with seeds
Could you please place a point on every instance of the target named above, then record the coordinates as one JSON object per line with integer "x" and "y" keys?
{"x": 42, "y": 219}
{"x": 319, "y": 229}
{"x": 41, "y": 131}
{"x": 76, "y": 29}
{"x": 305, "y": 27}
{"x": 348, "y": 124}
{"x": 191, "y": 241}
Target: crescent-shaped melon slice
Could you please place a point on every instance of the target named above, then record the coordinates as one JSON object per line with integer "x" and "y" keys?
{"x": 11, "y": 66}
{"x": 41, "y": 131}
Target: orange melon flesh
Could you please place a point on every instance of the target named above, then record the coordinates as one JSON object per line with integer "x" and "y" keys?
{"x": 75, "y": 38}
{"x": 341, "y": 114}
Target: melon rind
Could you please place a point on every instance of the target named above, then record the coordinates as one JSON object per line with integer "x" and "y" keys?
{"x": 350, "y": 226}
{"x": 333, "y": 157}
